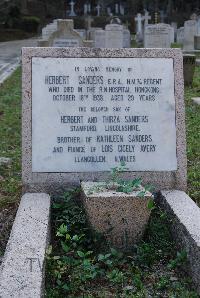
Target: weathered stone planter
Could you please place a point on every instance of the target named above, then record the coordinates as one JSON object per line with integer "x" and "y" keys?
{"x": 120, "y": 217}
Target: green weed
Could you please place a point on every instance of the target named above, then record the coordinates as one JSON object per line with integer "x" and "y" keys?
{"x": 81, "y": 264}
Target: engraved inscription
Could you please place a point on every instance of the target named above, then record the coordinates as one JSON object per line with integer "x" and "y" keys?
{"x": 89, "y": 114}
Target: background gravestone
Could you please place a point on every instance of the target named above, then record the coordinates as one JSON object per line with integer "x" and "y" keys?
{"x": 49, "y": 29}
{"x": 64, "y": 36}
{"x": 180, "y": 35}
{"x": 100, "y": 39}
{"x": 197, "y": 42}
{"x": 139, "y": 28}
{"x": 174, "y": 25}
{"x": 126, "y": 38}
{"x": 157, "y": 36}
{"x": 198, "y": 25}
{"x": 82, "y": 33}
{"x": 172, "y": 34}
{"x": 190, "y": 30}
{"x": 197, "y": 36}
{"x": 114, "y": 36}
{"x": 92, "y": 31}
{"x": 70, "y": 98}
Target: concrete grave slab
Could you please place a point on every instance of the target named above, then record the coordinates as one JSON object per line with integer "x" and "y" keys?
{"x": 185, "y": 217}
{"x": 22, "y": 269}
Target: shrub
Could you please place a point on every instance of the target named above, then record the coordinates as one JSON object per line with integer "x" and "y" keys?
{"x": 30, "y": 24}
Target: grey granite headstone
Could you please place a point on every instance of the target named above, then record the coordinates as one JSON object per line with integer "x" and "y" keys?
{"x": 157, "y": 36}
{"x": 85, "y": 110}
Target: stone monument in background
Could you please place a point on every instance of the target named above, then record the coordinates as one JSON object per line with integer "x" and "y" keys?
{"x": 63, "y": 35}
{"x": 158, "y": 36}
{"x": 190, "y": 30}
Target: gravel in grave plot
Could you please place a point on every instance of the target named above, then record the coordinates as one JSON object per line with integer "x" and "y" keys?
{"x": 7, "y": 216}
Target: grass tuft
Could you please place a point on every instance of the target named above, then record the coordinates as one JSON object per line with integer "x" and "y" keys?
{"x": 10, "y": 136}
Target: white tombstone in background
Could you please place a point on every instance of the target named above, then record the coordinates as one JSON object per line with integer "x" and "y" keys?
{"x": 190, "y": 30}
{"x": 63, "y": 36}
{"x": 180, "y": 35}
{"x": 174, "y": 25}
{"x": 198, "y": 25}
{"x": 85, "y": 9}
{"x": 172, "y": 34}
{"x": 98, "y": 8}
{"x": 100, "y": 38}
{"x": 139, "y": 20}
{"x": 157, "y": 36}
{"x": 193, "y": 17}
{"x": 72, "y": 12}
{"x": 139, "y": 33}
{"x": 109, "y": 11}
{"x": 116, "y": 8}
{"x": 49, "y": 29}
{"x": 82, "y": 33}
{"x": 89, "y": 8}
{"x": 146, "y": 18}
{"x": 114, "y": 36}
{"x": 91, "y": 32}
{"x": 121, "y": 9}
{"x": 46, "y": 31}
{"x": 126, "y": 38}
{"x": 89, "y": 21}
{"x": 162, "y": 16}
{"x": 197, "y": 36}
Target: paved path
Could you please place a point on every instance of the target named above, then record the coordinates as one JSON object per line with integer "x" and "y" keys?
{"x": 10, "y": 55}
